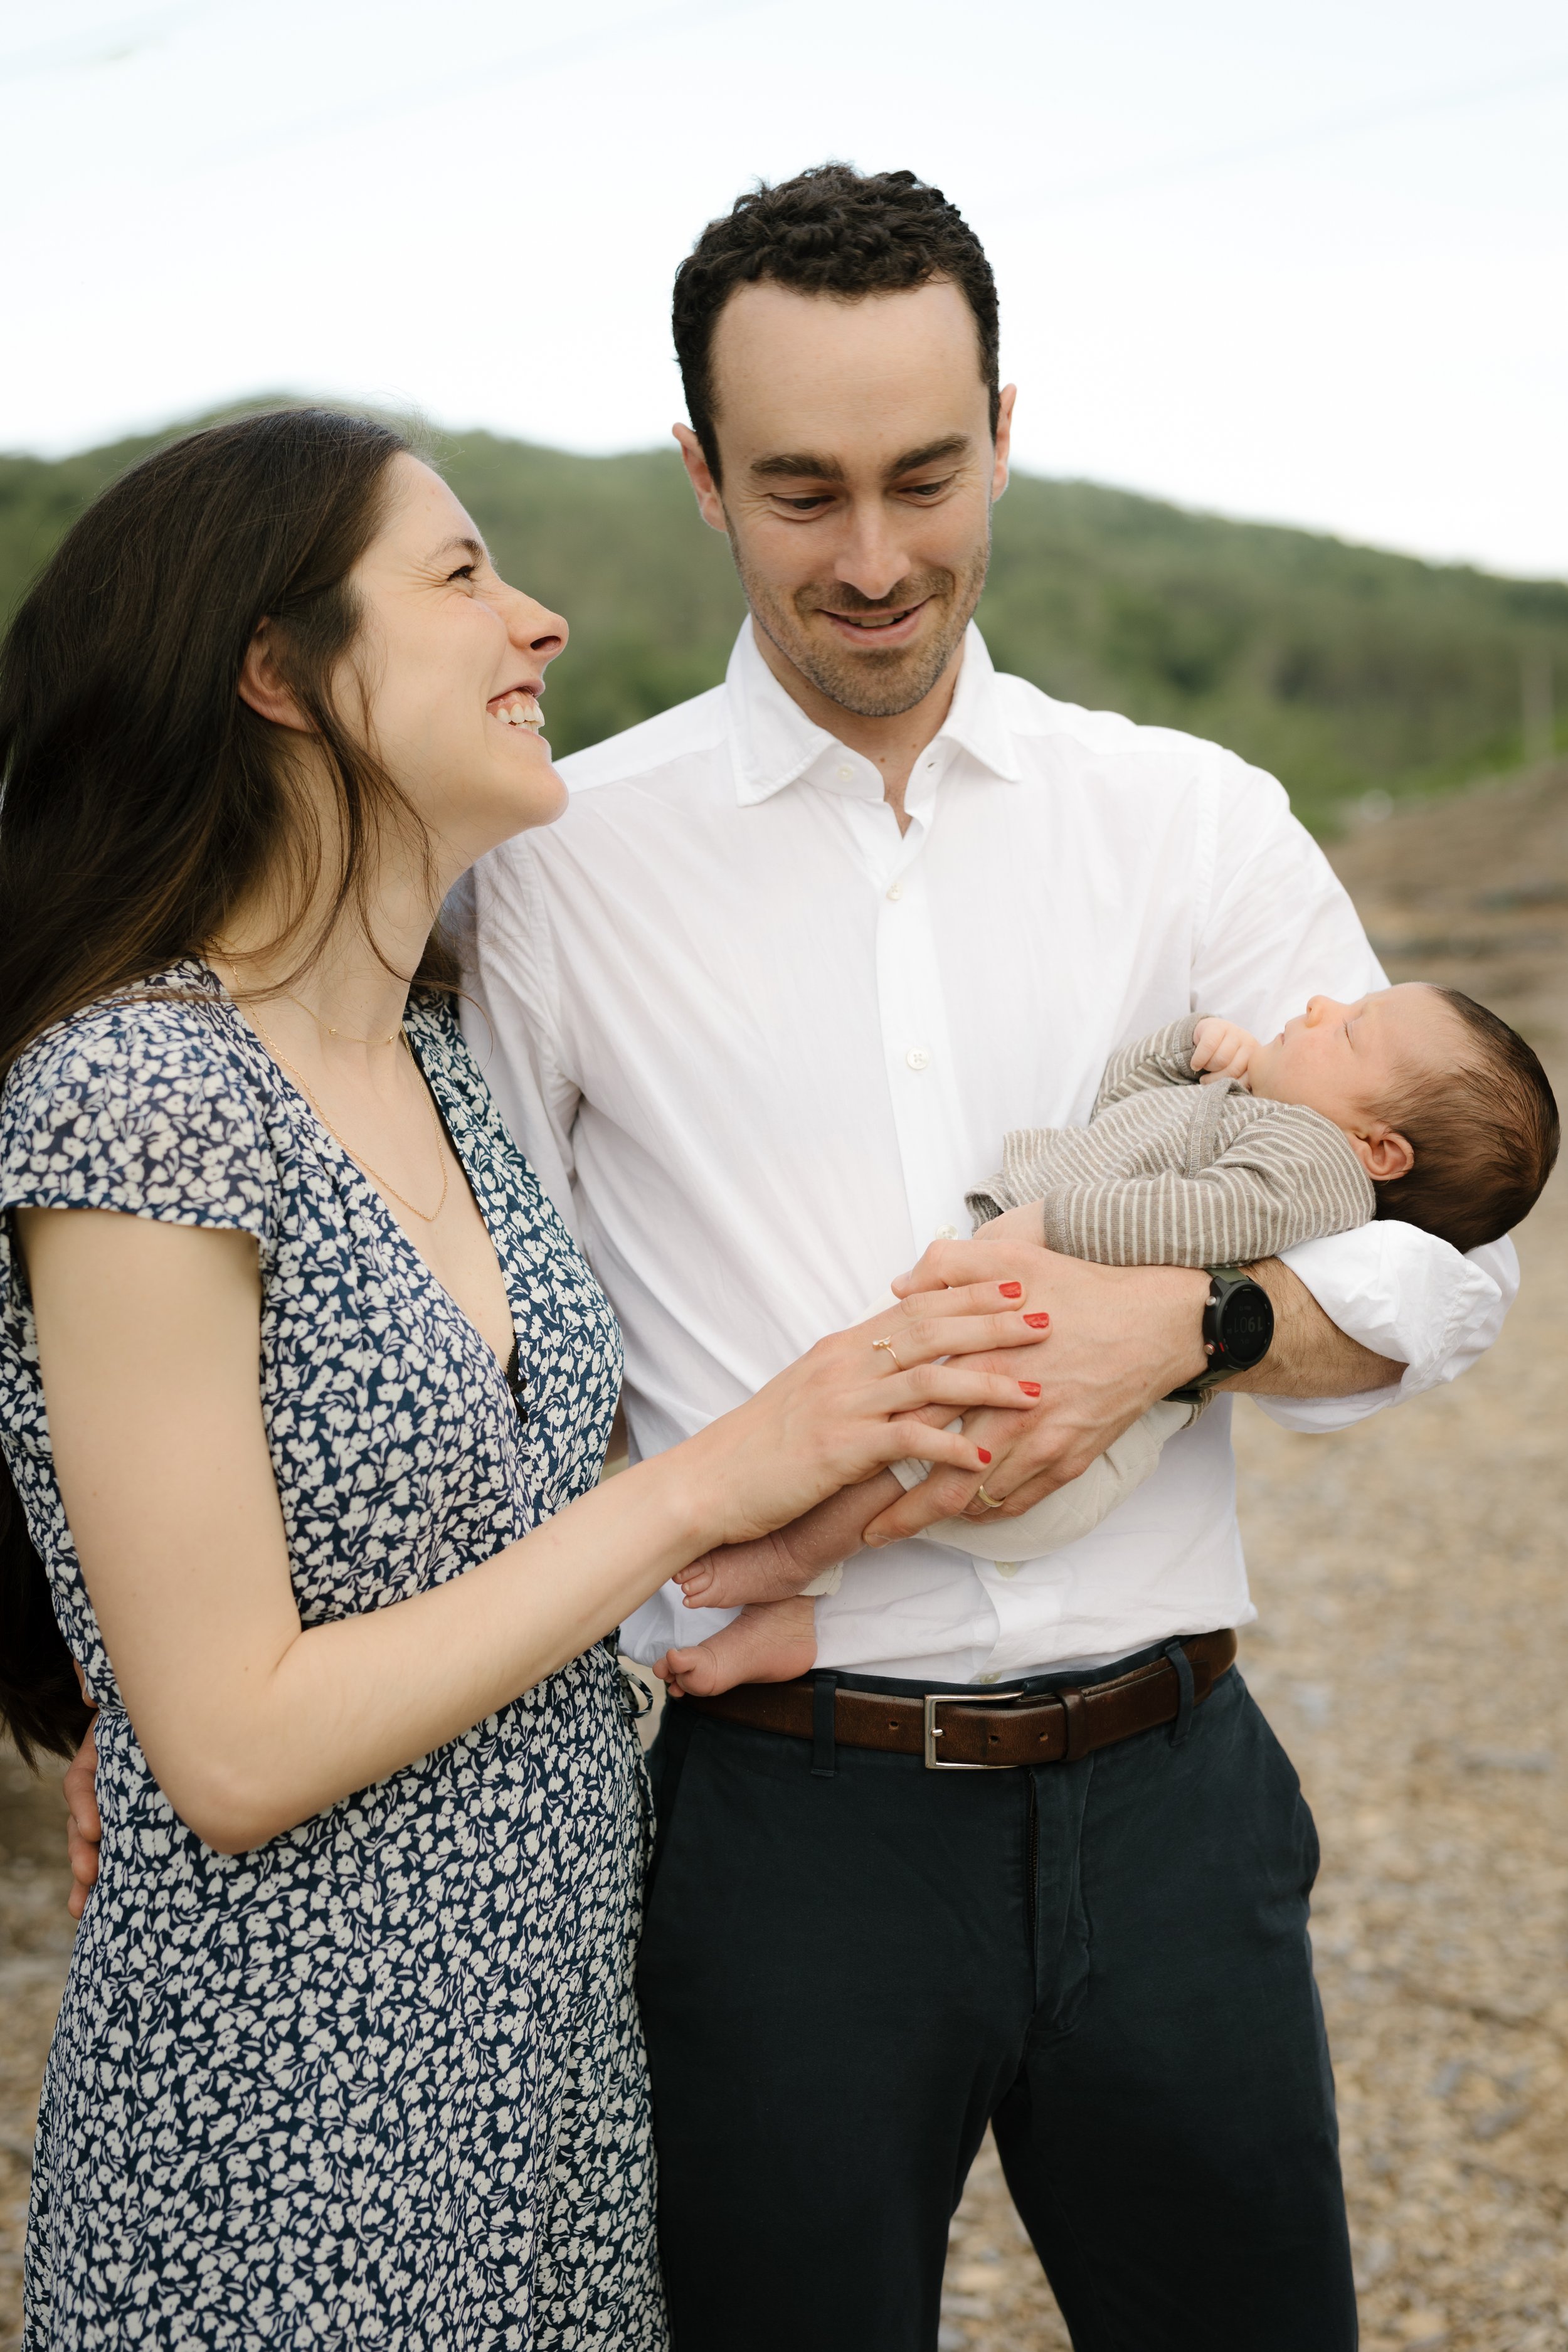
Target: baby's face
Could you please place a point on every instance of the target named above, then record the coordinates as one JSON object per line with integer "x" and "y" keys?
{"x": 1344, "y": 1060}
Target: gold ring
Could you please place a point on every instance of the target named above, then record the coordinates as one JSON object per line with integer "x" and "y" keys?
{"x": 889, "y": 1345}
{"x": 990, "y": 1503}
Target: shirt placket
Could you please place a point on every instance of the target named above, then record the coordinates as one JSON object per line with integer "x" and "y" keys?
{"x": 917, "y": 1047}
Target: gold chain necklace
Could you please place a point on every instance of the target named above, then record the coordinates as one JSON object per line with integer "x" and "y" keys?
{"x": 426, "y": 1216}
{"x": 338, "y": 1033}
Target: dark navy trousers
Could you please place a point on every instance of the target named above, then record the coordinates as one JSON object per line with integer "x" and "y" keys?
{"x": 846, "y": 1977}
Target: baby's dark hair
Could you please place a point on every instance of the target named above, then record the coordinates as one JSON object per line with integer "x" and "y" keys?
{"x": 1485, "y": 1136}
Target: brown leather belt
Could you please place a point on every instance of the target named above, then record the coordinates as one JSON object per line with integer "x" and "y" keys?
{"x": 958, "y": 1731}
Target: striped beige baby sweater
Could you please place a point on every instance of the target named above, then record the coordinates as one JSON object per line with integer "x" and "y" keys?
{"x": 1170, "y": 1172}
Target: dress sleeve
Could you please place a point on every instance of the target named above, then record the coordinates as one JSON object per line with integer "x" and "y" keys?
{"x": 144, "y": 1109}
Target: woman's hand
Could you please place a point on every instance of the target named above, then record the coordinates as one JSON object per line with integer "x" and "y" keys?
{"x": 84, "y": 1828}
{"x": 833, "y": 1418}
{"x": 1121, "y": 1337}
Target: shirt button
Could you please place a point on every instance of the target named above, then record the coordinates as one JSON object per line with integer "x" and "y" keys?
{"x": 917, "y": 1058}
{"x": 947, "y": 1233}
{"x": 895, "y": 890}
{"x": 846, "y": 775}
{"x": 1005, "y": 1567}
{"x": 987, "y": 1678}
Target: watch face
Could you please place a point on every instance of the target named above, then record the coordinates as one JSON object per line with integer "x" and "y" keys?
{"x": 1245, "y": 1319}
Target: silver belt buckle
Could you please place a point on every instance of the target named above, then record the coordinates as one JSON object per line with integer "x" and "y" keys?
{"x": 933, "y": 1699}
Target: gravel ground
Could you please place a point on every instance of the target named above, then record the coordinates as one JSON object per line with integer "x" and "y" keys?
{"x": 1413, "y": 1626}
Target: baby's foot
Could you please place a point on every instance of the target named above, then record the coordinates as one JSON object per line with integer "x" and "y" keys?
{"x": 770, "y": 1642}
{"x": 739, "y": 1573}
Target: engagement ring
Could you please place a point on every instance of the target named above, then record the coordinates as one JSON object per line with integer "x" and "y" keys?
{"x": 889, "y": 1345}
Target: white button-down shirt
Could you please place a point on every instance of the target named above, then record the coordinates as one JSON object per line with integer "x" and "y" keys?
{"x": 757, "y": 1043}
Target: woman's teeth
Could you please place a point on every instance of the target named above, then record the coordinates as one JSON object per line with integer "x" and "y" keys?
{"x": 519, "y": 709}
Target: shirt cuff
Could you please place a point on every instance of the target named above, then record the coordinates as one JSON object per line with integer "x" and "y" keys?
{"x": 1407, "y": 1296}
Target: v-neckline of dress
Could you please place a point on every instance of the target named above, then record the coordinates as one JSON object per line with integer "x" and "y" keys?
{"x": 509, "y": 1371}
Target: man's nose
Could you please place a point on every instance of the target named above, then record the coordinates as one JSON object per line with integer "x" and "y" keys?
{"x": 870, "y": 558}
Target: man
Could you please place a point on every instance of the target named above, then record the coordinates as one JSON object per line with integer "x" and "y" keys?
{"x": 760, "y": 1007}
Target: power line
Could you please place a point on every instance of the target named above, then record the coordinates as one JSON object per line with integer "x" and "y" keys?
{"x": 105, "y": 45}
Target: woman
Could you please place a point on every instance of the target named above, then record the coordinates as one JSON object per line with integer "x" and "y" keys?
{"x": 305, "y": 1392}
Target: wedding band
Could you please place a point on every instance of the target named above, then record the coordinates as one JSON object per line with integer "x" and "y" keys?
{"x": 989, "y": 1502}
{"x": 889, "y": 1345}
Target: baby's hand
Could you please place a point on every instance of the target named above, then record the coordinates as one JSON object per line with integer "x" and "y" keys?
{"x": 1222, "y": 1050}
{"x": 1027, "y": 1223}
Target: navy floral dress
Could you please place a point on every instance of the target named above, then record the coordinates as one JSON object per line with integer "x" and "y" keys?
{"x": 380, "y": 2083}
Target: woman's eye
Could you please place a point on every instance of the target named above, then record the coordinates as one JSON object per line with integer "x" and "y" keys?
{"x": 464, "y": 572}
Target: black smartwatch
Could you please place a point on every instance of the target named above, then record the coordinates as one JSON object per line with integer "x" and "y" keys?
{"x": 1238, "y": 1325}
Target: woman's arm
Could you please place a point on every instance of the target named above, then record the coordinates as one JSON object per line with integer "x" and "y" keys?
{"x": 149, "y": 1338}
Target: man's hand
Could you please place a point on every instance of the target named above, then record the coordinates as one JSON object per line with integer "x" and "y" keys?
{"x": 84, "y": 1827}
{"x": 1222, "y": 1050}
{"x": 1118, "y": 1339}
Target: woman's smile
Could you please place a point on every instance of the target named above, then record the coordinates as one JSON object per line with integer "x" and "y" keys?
{"x": 519, "y": 707}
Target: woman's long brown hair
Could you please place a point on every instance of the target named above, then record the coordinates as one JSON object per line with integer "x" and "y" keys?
{"x": 141, "y": 800}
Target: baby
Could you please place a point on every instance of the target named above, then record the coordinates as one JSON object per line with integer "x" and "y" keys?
{"x": 1206, "y": 1147}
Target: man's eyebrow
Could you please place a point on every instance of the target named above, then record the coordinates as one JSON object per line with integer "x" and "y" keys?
{"x": 951, "y": 445}
{"x": 797, "y": 464}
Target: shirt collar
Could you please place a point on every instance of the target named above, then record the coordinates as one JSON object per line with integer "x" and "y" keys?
{"x": 775, "y": 744}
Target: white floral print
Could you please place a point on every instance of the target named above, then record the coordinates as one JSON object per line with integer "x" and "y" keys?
{"x": 379, "y": 2083}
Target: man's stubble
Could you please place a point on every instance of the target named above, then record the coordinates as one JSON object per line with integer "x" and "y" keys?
{"x": 870, "y": 685}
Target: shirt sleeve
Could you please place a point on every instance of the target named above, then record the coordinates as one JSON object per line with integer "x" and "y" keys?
{"x": 497, "y": 921}
{"x": 1407, "y": 1295}
{"x": 1277, "y": 927}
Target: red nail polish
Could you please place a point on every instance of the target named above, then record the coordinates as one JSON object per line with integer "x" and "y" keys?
{"x": 1011, "y": 1289}
{"x": 1030, "y": 1388}
{"x": 984, "y": 1455}
{"x": 1038, "y": 1322}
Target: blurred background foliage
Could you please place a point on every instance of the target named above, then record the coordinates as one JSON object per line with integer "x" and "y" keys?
{"x": 1351, "y": 674}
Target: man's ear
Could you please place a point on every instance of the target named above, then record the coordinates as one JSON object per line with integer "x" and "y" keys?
{"x": 1000, "y": 476}
{"x": 699, "y": 474}
{"x": 1384, "y": 1154}
{"x": 262, "y": 684}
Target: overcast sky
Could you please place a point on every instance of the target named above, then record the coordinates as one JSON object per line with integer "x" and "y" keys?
{"x": 1306, "y": 264}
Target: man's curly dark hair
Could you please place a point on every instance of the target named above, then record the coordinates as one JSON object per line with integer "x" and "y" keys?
{"x": 831, "y": 230}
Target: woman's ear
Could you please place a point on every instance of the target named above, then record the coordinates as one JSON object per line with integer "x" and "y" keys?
{"x": 1384, "y": 1154}
{"x": 262, "y": 684}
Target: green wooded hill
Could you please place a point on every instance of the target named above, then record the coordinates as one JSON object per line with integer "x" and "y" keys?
{"x": 1342, "y": 669}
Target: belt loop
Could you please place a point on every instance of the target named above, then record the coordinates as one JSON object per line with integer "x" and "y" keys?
{"x": 1177, "y": 1655}
{"x": 824, "y": 1704}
